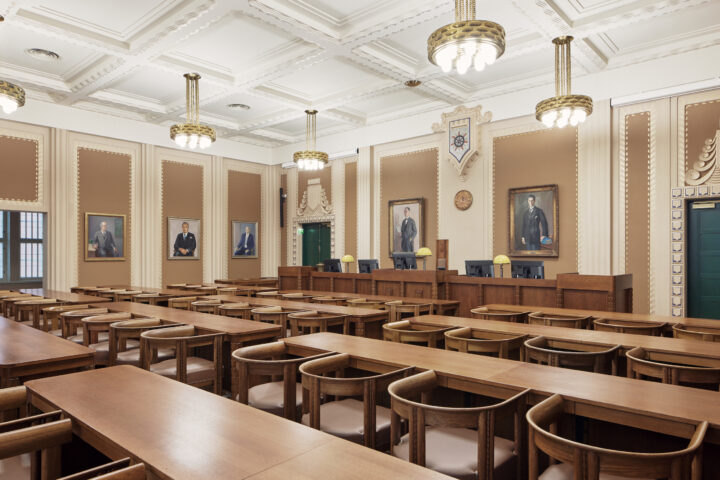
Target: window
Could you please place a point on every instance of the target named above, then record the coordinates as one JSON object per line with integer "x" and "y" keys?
{"x": 31, "y": 245}
{"x": 22, "y": 248}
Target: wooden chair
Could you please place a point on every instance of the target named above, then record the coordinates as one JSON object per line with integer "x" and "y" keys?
{"x": 484, "y": 342}
{"x": 28, "y": 311}
{"x": 414, "y": 333}
{"x": 277, "y": 315}
{"x": 124, "y": 341}
{"x": 328, "y": 300}
{"x": 359, "y": 421}
{"x": 206, "y": 306}
{"x": 183, "y": 303}
{"x": 191, "y": 286}
{"x": 297, "y": 297}
{"x": 365, "y": 303}
{"x": 572, "y": 354}
{"x": 705, "y": 334}
{"x": 586, "y": 461}
{"x": 185, "y": 367}
{"x": 485, "y": 313}
{"x": 236, "y": 310}
{"x": 627, "y": 326}
{"x": 674, "y": 368}
{"x": 314, "y": 322}
{"x": 149, "y": 298}
{"x": 554, "y": 320}
{"x": 71, "y": 323}
{"x": 227, "y": 291}
{"x": 125, "y": 295}
{"x": 117, "y": 470}
{"x": 283, "y": 394}
{"x": 399, "y": 309}
{"x": 207, "y": 290}
{"x": 8, "y": 302}
{"x": 109, "y": 294}
{"x": 176, "y": 285}
{"x": 459, "y": 442}
{"x": 94, "y": 325}
{"x": 51, "y": 316}
{"x": 273, "y": 294}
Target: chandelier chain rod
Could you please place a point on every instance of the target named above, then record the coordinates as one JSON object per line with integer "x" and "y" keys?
{"x": 464, "y": 10}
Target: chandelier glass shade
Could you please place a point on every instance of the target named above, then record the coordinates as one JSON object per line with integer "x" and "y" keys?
{"x": 310, "y": 159}
{"x": 564, "y": 108}
{"x": 467, "y": 42}
{"x": 12, "y": 97}
{"x": 192, "y": 134}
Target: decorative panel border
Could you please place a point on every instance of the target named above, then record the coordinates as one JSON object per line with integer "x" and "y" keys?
{"x": 40, "y": 137}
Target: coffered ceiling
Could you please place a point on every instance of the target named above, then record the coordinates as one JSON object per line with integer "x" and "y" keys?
{"x": 347, "y": 58}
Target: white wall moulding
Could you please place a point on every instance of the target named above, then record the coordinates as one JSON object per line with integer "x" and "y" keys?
{"x": 151, "y": 237}
{"x": 364, "y": 203}
{"x": 270, "y": 218}
{"x": 337, "y": 178}
{"x": 291, "y": 202}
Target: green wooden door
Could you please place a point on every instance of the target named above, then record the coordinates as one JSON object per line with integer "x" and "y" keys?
{"x": 315, "y": 243}
{"x": 703, "y": 257}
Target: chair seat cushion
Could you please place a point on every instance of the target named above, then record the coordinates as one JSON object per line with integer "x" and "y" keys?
{"x": 199, "y": 370}
{"x": 102, "y": 350}
{"x": 131, "y": 356}
{"x": 564, "y": 471}
{"x": 269, "y": 397}
{"x": 57, "y": 333}
{"x": 454, "y": 452}
{"x": 344, "y": 419}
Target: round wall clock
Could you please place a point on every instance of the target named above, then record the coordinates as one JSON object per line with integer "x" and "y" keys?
{"x": 463, "y": 200}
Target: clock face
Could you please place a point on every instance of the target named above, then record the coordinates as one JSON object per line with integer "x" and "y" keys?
{"x": 463, "y": 200}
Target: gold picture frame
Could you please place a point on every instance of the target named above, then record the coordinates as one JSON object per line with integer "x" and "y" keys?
{"x": 250, "y": 248}
{"x": 174, "y": 233}
{"x": 534, "y": 232}
{"x": 396, "y": 215}
{"x": 113, "y": 239}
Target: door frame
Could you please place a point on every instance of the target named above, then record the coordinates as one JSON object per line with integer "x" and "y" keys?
{"x": 688, "y": 208}
{"x": 298, "y": 222}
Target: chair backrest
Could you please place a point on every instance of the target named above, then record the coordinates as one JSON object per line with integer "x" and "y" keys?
{"x": 313, "y": 322}
{"x": 125, "y": 295}
{"x": 365, "y": 303}
{"x": 236, "y": 310}
{"x": 328, "y": 300}
{"x": 117, "y": 470}
{"x": 124, "y": 330}
{"x": 555, "y": 320}
{"x": 485, "y": 313}
{"x": 269, "y": 360}
{"x": 93, "y": 325}
{"x": 205, "y": 306}
{"x": 71, "y": 320}
{"x": 572, "y": 354}
{"x": 414, "y": 333}
{"x": 706, "y": 334}
{"x": 52, "y": 314}
{"x": 674, "y": 368}
{"x": 484, "y": 342}
{"x": 273, "y": 294}
{"x": 589, "y": 461}
{"x": 627, "y": 326}
{"x": 399, "y": 309}
{"x": 315, "y": 381}
{"x": 183, "y": 303}
{"x": 275, "y": 314}
{"x": 297, "y": 297}
{"x": 227, "y": 290}
{"x": 409, "y": 401}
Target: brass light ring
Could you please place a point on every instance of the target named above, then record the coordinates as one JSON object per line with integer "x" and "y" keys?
{"x": 482, "y": 31}
{"x": 192, "y": 129}
{"x": 13, "y": 91}
{"x": 582, "y": 102}
{"x": 310, "y": 155}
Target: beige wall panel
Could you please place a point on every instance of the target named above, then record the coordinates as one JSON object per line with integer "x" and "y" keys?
{"x": 19, "y": 165}
{"x": 351, "y": 212}
{"x": 283, "y": 230}
{"x": 182, "y": 187}
{"x": 103, "y": 187}
{"x": 244, "y": 205}
{"x": 411, "y": 175}
{"x": 325, "y": 180}
{"x": 637, "y": 215}
{"x": 701, "y": 122}
{"x": 538, "y": 158}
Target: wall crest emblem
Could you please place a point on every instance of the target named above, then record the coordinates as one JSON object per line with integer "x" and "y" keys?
{"x": 463, "y": 136}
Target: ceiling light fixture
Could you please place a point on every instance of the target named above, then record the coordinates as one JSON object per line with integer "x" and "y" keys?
{"x": 42, "y": 54}
{"x": 192, "y": 134}
{"x": 467, "y": 42}
{"x": 240, "y": 106}
{"x": 11, "y": 96}
{"x": 412, "y": 83}
{"x": 564, "y": 108}
{"x": 310, "y": 159}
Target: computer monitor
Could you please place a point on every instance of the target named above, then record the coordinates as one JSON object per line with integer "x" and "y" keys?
{"x": 404, "y": 261}
{"x": 332, "y": 265}
{"x": 479, "y": 268}
{"x": 367, "y": 266}
{"x": 527, "y": 269}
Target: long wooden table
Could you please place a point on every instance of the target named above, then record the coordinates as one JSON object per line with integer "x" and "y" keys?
{"x": 250, "y": 282}
{"x": 441, "y": 307}
{"x": 367, "y": 321}
{"x": 26, "y": 352}
{"x": 627, "y": 341}
{"x": 182, "y": 432}
{"x": 64, "y": 297}
{"x": 668, "y": 409}
{"x": 635, "y": 317}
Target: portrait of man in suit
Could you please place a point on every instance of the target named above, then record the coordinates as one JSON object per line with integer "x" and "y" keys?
{"x": 104, "y": 242}
{"x": 406, "y": 228}
{"x": 183, "y": 238}
{"x": 535, "y": 226}
{"x": 534, "y": 221}
{"x": 408, "y": 231}
{"x": 104, "y": 237}
{"x": 244, "y": 239}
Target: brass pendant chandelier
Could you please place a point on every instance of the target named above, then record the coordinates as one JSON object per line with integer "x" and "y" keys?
{"x": 564, "y": 108}
{"x": 192, "y": 134}
{"x": 310, "y": 159}
{"x": 467, "y": 42}
{"x": 11, "y": 96}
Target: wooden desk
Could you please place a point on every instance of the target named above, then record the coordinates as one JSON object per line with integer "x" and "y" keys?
{"x": 182, "y": 432}
{"x": 663, "y": 408}
{"x": 63, "y": 297}
{"x": 26, "y": 352}
{"x": 251, "y": 282}
{"x": 635, "y": 317}
{"x": 368, "y": 322}
{"x": 441, "y": 307}
{"x": 625, "y": 340}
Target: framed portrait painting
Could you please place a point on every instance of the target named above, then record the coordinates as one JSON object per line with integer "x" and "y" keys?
{"x": 406, "y": 229}
{"x": 183, "y": 238}
{"x": 245, "y": 239}
{"x": 534, "y": 230}
{"x": 104, "y": 237}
